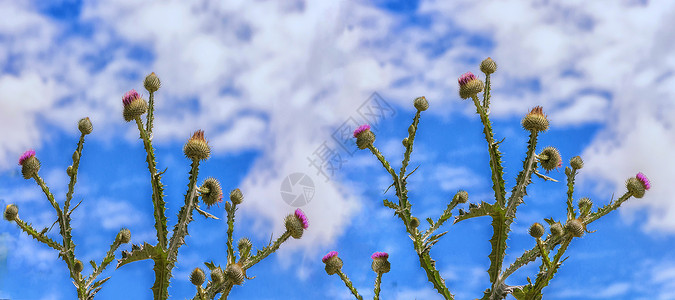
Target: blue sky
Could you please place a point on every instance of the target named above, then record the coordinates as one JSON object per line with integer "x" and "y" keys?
{"x": 270, "y": 81}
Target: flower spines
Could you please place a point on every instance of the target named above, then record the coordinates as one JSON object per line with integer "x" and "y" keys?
{"x": 535, "y": 120}
{"x": 364, "y": 137}
{"x": 30, "y": 165}
{"x": 235, "y": 274}
{"x": 550, "y": 159}
{"x": 469, "y": 85}
{"x": 211, "y": 192}
{"x": 638, "y": 185}
{"x": 333, "y": 262}
{"x": 152, "y": 83}
{"x": 197, "y": 148}
{"x": 380, "y": 263}
{"x": 296, "y": 223}
{"x": 134, "y": 105}
{"x": 488, "y": 66}
{"x": 197, "y": 276}
{"x": 536, "y": 230}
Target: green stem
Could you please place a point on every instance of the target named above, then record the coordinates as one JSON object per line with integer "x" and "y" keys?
{"x": 570, "y": 193}
{"x": 73, "y": 174}
{"x": 524, "y": 177}
{"x": 607, "y": 208}
{"x": 159, "y": 207}
{"x": 544, "y": 254}
{"x": 28, "y": 229}
{"x": 184, "y": 216}
{"x": 378, "y": 281}
{"x": 109, "y": 257}
{"x": 434, "y": 276}
{"x": 226, "y": 291}
{"x": 230, "y": 231}
{"x": 349, "y": 285}
{"x": 409, "y": 145}
{"x": 266, "y": 251}
{"x": 486, "y": 94}
{"x": 151, "y": 109}
{"x": 495, "y": 157}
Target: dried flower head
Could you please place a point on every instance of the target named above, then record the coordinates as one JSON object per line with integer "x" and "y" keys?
{"x": 84, "y": 125}
{"x": 196, "y": 147}
{"x": 197, "y": 277}
{"x": 380, "y": 263}
{"x": 364, "y": 137}
{"x": 30, "y": 165}
{"x": 333, "y": 262}
{"x": 134, "y": 105}
{"x": 11, "y": 211}
{"x": 535, "y": 120}
{"x": 421, "y": 103}
{"x": 469, "y": 85}
{"x": 488, "y": 66}
{"x": 151, "y": 82}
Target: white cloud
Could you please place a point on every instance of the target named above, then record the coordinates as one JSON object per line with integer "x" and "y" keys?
{"x": 116, "y": 214}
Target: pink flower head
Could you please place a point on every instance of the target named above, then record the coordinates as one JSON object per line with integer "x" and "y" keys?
{"x": 130, "y": 96}
{"x": 465, "y": 78}
{"x": 361, "y": 128}
{"x": 26, "y": 155}
{"x": 301, "y": 216}
{"x": 329, "y": 256}
{"x": 377, "y": 255}
{"x": 644, "y": 180}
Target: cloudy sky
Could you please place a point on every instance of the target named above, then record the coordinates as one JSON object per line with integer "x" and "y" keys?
{"x": 273, "y": 82}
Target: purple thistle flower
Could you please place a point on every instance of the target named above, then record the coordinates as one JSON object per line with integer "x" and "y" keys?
{"x": 361, "y": 128}
{"x": 130, "y": 96}
{"x": 301, "y": 216}
{"x": 644, "y": 180}
{"x": 329, "y": 256}
{"x": 465, "y": 78}
{"x": 380, "y": 255}
{"x": 26, "y": 155}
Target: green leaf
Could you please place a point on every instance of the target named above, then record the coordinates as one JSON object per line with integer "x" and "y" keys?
{"x": 210, "y": 265}
{"x": 390, "y": 204}
{"x": 483, "y": 209}
{"x": 145, "y": 251}
{"x": 498, "y": 242}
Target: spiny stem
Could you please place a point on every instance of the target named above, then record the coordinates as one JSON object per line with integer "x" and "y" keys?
{"x": 151, "y": 109}
{"x": 109, "y": 257}
{"x": 486, "y": 94}
{"x": 409, "y": 144}
{"x": 570, "y": 193}
{"x": 73, "y": 174}
{"x": 378, "y": 281}
{"x": 384, "y": 162}
{"x": 226, "y": 291}
{"x": 230, "y": 231}
{"x": 544, "y": 254}
{"x": 495, "y": 163}
{"x": 349, "y": 285}
{"x": 524, "y": 178}
{"x": 184, "y": 216}
{"x": 157, "y": 197}
{"x": 607, "y": 208}
{"x": 28, "y": 229}
{"x": 267, "y": 251}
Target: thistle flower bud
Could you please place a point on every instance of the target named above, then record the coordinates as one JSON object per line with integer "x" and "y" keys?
{"x": 84, "y": 125}
{"x": 244, "y": 245}
{"x": 235, "y": 274}
{"x": 124, "y": 236}
{"x": 211, "y": 192}
{"x": 535, "y": 120}
{"x": 411, "y": 129}
{"x": 576, "y": 162}
{"x": 30, "y": 165}
{"x": 364, "y": 137}
{"x": 549, "y": 158}
{"x": 638, "y": 185}
{"x": 333, "y": 262}
{"x": 76, "y": 157}
{"x": 236, "y": 196}
{"x": 134, "y": 105}
{"x": 421, "y": 103}
{"x": 469, "y": 85}
{"x": 380, "y": 263}
{"x": 556, "y": 229}
{"x": 217, "y": 275}
{"x": 575, "y": 227}
{"x": 11, "y": 211}
{"x": 461, "y": 197}
{"x": 70, "y": 171}
{"x": 151, "y": 82}
{"x": 536, "y": 230}
{"x": 405, "y": 142}
{"x": 585, "y": 206}
{"x": 488, "y": 66}
{"x": 197, "y": 277}
{"x": 78, "y": 266}
{"x": 196, "y": 147}
{"x": 414, "y": 222}
{"x": 296, "y": 223}
{"x": 228, "y": 206}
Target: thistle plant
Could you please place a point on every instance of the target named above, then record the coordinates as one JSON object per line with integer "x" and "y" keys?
{"x": 86, "y": 285}
{"x": 501, "y": 212}
{"x": 164, "y": 253}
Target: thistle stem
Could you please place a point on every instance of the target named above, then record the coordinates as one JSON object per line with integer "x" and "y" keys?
{"x": 349, "y": 285}
{"x": 378, "y": 281}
